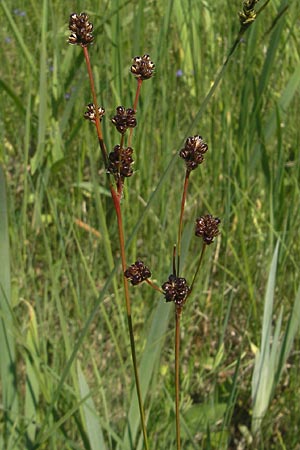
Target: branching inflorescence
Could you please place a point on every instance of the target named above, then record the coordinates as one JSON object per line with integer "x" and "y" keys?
{"x": 119, "y": 164}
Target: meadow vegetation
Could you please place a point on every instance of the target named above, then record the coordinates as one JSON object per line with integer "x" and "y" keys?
{"x": 66, "y": 370}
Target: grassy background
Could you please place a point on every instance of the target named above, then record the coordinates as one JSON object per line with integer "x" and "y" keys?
{"x": 66, "y": 377}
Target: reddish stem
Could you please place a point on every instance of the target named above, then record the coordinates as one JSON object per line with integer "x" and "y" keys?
{"x": 137, "y": 94}
{"x": 154, "y": 286}
{"x": 183, "y": 199}
{"x": 97, "y": 121}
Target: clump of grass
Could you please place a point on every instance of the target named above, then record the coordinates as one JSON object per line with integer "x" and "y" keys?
{"x": 118, "y": 164}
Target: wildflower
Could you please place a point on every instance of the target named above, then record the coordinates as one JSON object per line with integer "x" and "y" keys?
{"x": 20, "y": 13}
{"x": 137, "y": 273}
{"x": 142, "y": 67}
{"x": 120, "y": 161}
{"x": 125, "y": 118}
{"x": 90, "y": 113}
{"x": 176, "y": 290}
{"x": 207, "y": 228}
{"x": 193, "y": 152}
{"x": 179, "y": 73}
{"x": 81, "y": 30}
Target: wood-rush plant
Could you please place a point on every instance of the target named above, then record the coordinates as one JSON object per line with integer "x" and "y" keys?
{"x": 118, "y": 164}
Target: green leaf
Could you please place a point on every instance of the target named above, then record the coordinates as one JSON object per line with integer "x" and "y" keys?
{"x": 7, "y": 342}
{"x": 201, "y": 416}
{"x": 93, "y": 427}
{"x": 151, "y": 353}
{"x": 42, "y": 115}
{"x": 18, "y": 35}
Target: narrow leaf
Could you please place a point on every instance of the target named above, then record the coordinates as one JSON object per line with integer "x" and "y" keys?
{"x": 93, "y": 427}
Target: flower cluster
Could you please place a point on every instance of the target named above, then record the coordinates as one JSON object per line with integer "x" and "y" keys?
{"x": 90, "y": 113}
{"x": 137, "y": 272}
{"x": 125, "y": 118}
{"x": 248, "y": 15}
{"x": 81, "y": 30}
{"x": 142, "y": 67}
{"x": 176, "y": 290}
{"x": 207, "y": 228}
{"x": 120, "y": 161}
{"x": 193, "y": 152}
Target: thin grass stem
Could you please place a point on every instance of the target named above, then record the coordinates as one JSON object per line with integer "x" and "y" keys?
{"x": 183, "y": 200}
{"x": 116, "y": 196}
{"x": 97, "y": 120}
{"x": 137, "y": 94}
{"x": 116, "y": 199}
{"x": 154, "y": 286}
{"x": 177, "y": 381}
{"x": 198, "y": 267}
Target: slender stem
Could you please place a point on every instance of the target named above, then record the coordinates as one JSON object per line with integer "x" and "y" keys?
{"x": 198, "y": 267}
{"x": 183, "y": 199}
{"x": 174, "y": 259}
{"x": 137, "y": 94}
{"x": 154, "y": 286}
{"x": 116, "y": 196}
{"x": 116, "y": 199}
{"x": 97, "y": 121}
{"x": 177, "y": 384}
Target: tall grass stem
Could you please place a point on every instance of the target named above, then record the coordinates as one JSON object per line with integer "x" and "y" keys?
{"x": 177, "y": 380}
{"x": 198, "y": 267}
{"x": 136, "y": 99}
{"x": 97, "y": 121}
{"x": 183, "y": 200}
{"x": 116, "y": 199}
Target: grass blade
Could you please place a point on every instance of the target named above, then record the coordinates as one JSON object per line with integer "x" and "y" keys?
{"x": 42, "y": 119}
{"x": 155, "y": 340}
{"x": 19, "y": 37}
{"x": 7, "y": 344}
{"x": 263, "y": 376}
{"x": 93, "y": 427}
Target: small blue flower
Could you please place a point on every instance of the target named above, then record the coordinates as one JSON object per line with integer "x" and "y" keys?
{"x": 20, "y": 13}
{"x": 7, "y": 40}
{"x": 179, "y": 73}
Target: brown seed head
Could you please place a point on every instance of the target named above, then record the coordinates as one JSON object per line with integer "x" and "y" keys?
{"x": 207, "y": 228}
{"x": 120, "y": 161}
{"x": 137, "y": 273}
{"x": 81, "y": 30}
{"x": 176, "y": 290}
{"x": 90, "y": 113}
{"x": 125, "y": 118}
{"x": 193, "y": 152}
{"x": 142, "y": 67}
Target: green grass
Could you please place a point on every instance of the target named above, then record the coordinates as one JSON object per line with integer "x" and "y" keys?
{"x": 63, "y": 324}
